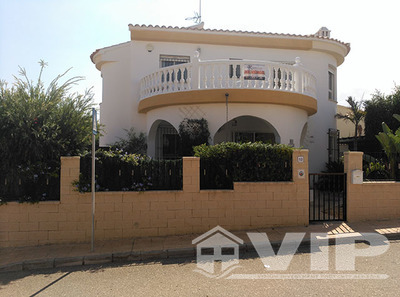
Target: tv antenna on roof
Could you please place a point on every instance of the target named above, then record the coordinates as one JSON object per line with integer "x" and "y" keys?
{"x": 197, "y": 15}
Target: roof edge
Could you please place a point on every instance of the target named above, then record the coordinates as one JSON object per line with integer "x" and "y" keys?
{"x": 236, "y": 32}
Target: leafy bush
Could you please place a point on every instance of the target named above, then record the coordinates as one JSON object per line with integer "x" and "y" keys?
{"x": 228, "y": 162}
{"x": 38, "y": 125}
{"x": 119, "y": 171}
{"x": 376, "y": 171}
{"x": 133, "y": 143}
{"x": 193, "y": 132}
{"x": 334, "y": 167}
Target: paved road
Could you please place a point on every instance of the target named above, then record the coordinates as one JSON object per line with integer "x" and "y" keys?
{"x": 177, "y": 278}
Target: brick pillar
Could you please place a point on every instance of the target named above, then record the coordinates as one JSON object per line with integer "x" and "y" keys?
{"x": 301, "y": 180}
{"x": 353, "y": 161}
{"x": 70, "y": 168}
{"x": 191, "y": 174}
{"x": 300, "y": 164}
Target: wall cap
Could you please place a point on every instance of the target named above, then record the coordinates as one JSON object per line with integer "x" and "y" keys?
{"x": 353, "y": 153}
{"x": 190, "y": 158}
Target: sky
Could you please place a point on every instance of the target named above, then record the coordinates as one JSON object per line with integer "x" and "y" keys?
{"x": 65, "y": 33}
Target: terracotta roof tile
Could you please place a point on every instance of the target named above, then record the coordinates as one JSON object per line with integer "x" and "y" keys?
{"x": 311, "y": 36}
{"x": 241, "y": 32}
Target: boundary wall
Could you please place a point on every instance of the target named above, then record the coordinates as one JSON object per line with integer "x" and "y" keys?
{"x": 118, "y": 215}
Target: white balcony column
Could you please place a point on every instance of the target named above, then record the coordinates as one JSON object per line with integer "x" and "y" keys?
{"x": 298, "y": 79}
{"x": 195, "y": 79}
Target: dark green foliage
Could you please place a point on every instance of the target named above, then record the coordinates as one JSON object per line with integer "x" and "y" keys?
{"x": 390, "y": 142}
{"x": 133, "y": 143}
{"x": 38, "y": 125}
{"x": 193, "y": 132}
{"x": 381, "y": 109}
{"x": 118, "y": 171}
{"x": 328, "y": 179}
{"x": 227, "y": 162}
{"x": 38, "y": 182}
{"x": 334, "y": 167}
{"x": 376, "y": 171}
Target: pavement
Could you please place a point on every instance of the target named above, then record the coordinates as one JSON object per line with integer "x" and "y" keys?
{"x": 159, "y": 248}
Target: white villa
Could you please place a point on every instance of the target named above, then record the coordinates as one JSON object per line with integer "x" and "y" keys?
{"x": 249, "y": 86}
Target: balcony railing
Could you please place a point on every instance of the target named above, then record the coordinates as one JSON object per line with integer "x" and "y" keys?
{"x": 229, "y": 74}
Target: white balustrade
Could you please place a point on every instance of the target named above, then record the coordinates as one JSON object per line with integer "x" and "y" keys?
{"x": 229, "y": 74}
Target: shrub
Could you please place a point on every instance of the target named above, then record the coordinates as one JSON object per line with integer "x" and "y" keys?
{"x": 38, "y": 125}
{"x": 257, "y": 161}
{"x": 376, "y": 171}
{"x": 133, "y": 143}
{"x": 334, "y": 167}
{"x": 193, "y": 132}
{"x": 119, "y": 171}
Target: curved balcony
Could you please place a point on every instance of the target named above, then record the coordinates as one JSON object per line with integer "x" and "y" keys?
{"x": 246, "y": 81}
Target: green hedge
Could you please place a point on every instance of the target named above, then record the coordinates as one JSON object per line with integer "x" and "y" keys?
{"x": 224, "y": 163}
{"x": 119, "y": 171}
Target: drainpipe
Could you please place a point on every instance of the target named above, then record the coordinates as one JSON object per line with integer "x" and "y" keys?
{"x": 226, "y": 119}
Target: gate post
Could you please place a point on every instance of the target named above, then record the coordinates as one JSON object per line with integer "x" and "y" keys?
{"x": 191, "y": 174}
{"x": 300, "y": 178}
{"x": 353, "y": 161}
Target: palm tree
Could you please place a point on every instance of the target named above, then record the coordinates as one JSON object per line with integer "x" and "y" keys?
{"x": 355, "y": 116}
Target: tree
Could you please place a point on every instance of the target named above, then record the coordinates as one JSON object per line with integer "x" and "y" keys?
{"x": 39, "y": 124}
{"x": 380, "y": 109}
{"x": 391, "y": 144}
{"x": 355, "y": 116}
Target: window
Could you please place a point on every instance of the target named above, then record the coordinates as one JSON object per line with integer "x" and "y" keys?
{"x": 254, "y": 136}
{"x": 331, "y": 86}
{"x": 207, "y": 251}
{"x": 171, "y": 60}
{"x": 167, "y": 141}
{"x": 170, "y": 146}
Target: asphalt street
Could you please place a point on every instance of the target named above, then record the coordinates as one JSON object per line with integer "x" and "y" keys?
{"x": 373, "y": 276}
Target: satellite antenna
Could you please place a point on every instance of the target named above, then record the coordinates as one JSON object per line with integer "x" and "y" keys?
{"x": 197, "y": 15}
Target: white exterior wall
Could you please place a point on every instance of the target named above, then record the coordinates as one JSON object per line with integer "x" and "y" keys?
{"x": 130, "y": 62}
{"x": 288, "y": 126}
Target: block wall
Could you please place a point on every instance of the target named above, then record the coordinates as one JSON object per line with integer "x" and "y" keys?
{"x": 370, "y": 200}
{"x": 249, "y": 205}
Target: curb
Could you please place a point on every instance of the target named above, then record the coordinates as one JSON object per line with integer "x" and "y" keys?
{"x": 118, "y": 257}
{"x": 151, "y": 255}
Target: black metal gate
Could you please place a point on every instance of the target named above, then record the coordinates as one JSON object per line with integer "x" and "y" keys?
{"x": 327, "y": 196}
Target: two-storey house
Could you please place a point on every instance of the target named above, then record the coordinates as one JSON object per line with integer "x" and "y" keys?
{"x": 249, "y": 86}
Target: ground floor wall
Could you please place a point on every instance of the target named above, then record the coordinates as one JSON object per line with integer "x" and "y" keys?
{"x": 155, "y": 213}
{"x": 159, "y": 213}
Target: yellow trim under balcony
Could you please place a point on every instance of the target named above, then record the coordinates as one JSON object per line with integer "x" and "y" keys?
{"x": 248, "y": 96}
